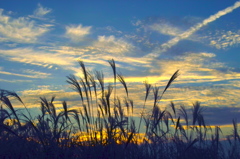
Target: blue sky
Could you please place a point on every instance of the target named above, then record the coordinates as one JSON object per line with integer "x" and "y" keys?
{"x": 41, "y": 42}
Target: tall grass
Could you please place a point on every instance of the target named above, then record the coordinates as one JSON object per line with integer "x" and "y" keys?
{"x": 104, "y": 126}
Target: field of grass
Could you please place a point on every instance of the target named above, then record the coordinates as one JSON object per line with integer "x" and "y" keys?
{"x": 104, "y": 126}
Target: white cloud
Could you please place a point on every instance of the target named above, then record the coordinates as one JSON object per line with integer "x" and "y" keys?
{"x": 225, "y": 39}
{"x": 41, "y": 11}
{"x": 111, "y": 44}
{"x": 22, "y": 29}
{"x": 77, "y": 33}
{"x": 165, "y": 29}
{"x": 3, "y": 18}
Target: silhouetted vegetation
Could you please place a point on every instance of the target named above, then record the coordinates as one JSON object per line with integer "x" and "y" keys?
{"x": 104, "y": 126}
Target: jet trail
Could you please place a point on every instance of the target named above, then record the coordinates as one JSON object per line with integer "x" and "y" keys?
{"x": 164, "y": 47}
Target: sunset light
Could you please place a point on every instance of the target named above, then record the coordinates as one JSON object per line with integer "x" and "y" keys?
{"x": 145, "y": 78}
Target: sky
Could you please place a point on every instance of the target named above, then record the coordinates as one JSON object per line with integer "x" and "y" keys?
{"x": 42, "y": 41}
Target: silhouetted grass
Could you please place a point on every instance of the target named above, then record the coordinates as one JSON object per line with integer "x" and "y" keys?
{"x": 104, "y": 126}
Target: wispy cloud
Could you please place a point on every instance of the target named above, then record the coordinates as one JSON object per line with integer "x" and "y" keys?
{"x": 15, "y": 81}
{"x": 36, "y": 74}
{"x": 164, "y": 47}
{"x": 41, "y": 11}
{"x": 41, "y": 90}
{"x": 21, "y": 30}
{"x": 77, "y": 32}
{"x": 112, "y": 45}
{"x": 165, "y": 29}
{"x": 30, "y": 74}
{"x": 195, "y": 68}
{"x": 31, "y": 96}
{"x": 225, "y": 39}
{"x": 70, "y": 50}
{"x": 36, "y": 57}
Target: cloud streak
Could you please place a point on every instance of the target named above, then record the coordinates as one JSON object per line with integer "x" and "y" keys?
{"x": 164, "y": 47}
{"x": 31, "y": 74}
{"x": 14, "y": 81}
{"x": 35, "y": 57}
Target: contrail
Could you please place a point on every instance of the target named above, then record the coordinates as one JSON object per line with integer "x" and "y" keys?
{"x": 164, "y": 47}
